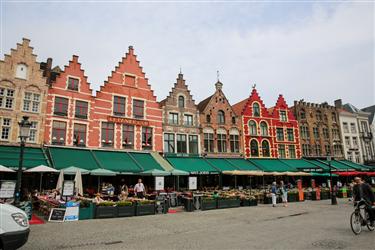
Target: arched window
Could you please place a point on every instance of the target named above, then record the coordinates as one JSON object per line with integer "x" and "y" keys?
{"x": 221, "y": 117}
{"x": 264, "y": 128}
{"x": 21, "y": 71}
{"x": 265, "y": 149}
{"x": 252, "y": 128}
{"x": 254, "y": 148}
{"x": 302, "y": 114}
{"x": 181, "y": 101}
{"x": 256, "y": 110}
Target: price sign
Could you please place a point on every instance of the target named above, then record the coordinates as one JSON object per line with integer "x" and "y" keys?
{"x": 68, "y": 188}
{"x": 57, "y": 215}
{"x": 7, "y": 189}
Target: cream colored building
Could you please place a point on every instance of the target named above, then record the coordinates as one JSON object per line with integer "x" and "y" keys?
{"x": 23, "y": 92}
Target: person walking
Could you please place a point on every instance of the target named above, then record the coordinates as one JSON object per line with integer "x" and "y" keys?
{"x": 274, "y": 193}
{"x": 284, "y": 193}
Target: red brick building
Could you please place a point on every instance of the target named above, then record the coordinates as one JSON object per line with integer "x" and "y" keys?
{"x": 268, "y": 133}
{"x": 127, "y": 115}
{"x": 70, "y": 106}
{"x": 124, "y": 114}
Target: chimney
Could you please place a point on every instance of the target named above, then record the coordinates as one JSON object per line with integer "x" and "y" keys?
{"x": 338, "y": 103}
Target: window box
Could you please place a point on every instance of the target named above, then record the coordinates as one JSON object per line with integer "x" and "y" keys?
{"x": 125, "y": 209}
{"x": 105, "y": 210}
{"x": 208, "y": 203}
{"x": 228, "y": 203}
{"x": 86, "y": 210}
{"x": 144, "y": 208}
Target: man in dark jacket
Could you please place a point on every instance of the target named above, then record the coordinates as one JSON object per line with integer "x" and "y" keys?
{"x": 362, "y": 190}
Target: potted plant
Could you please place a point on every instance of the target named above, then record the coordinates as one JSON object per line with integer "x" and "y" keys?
{"x": 145, "y": 207}
{"x": 86, "y": 210}
{"x": 125, "y": 209}
{"x": 106, "y": 209}
{"x": 208, "y": 203}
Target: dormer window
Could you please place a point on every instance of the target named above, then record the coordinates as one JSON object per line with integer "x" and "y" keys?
{"x": 256, "y": 110}
{"x": 73, "y": 83}
{"x": 21, "y": 71}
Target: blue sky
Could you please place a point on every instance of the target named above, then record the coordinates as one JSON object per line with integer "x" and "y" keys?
{"x": 297, "y": 49}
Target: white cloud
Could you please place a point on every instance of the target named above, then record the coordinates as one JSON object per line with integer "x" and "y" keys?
{"x": 321, "y": 55}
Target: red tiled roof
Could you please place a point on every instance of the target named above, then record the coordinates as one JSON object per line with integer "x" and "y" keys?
{"x": 238, "y": 107}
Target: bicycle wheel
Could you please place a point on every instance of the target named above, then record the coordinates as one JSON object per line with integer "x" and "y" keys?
{"x": 370, "y": 228}
{"x": 355, "y": 223}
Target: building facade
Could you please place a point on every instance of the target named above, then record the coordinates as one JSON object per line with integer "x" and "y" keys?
{"x": 70, "y": 107}
{"x": 361, "y": 125}
{"x": 180, "y": 121}
{"x": 319, "y": 129}
{"x": 371, "y": 134}
{"x": 268, "y": 133}
{"x": 219, "y": 126}
{"x": 126, "y": 113}
{"x": 23, "y": 92}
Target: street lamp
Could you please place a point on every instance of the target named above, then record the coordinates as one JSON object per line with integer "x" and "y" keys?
{"x": 24, "y": 134}
{"x": 333, "y": 194}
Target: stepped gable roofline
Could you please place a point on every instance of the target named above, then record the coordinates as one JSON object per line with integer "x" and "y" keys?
{"x": 128, "y": 55}
{"x": 26, "y": 44}
{"x": 281, "y": 104}
{"x": 324, "y": 105}
{"x": 254, "y": 97}
{"x": 371, "y": 110}
{"x": 72, "y": 62}
{"x": 180, "y": 81}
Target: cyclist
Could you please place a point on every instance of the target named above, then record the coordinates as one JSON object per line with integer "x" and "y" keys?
{"x": 362, "y": 190}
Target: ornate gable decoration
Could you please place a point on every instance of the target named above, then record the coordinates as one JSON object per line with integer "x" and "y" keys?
{"x": 255, "y": 98}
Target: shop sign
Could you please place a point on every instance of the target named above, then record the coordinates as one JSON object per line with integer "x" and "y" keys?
{"x": 203, "y": 172}
{"x": 128, "y": 121}
{"x": 192, "y": 183}
{"x": 57, "y": 215}
{"x": 7, "y": 189}
{"x": 159, "y": 183}
{"x": 72, "y": 211}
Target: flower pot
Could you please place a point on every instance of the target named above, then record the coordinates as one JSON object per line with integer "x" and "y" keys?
{"x": 86, "y": 213}
{"x": 228, "y": 203}
{"x": 105, "y": 212}
{"x": 208, "y": 204}
{"x": 125, "y": 211}
{"x": 188, "y": 205}
{"x": 145, "y": 209}
{"x": 313, "y": 195}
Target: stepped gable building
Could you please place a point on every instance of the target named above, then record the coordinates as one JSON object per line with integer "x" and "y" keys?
{"x": 319, "y": 129}
{"x": 371, "y": 133}
{"x": 256, "y": 123}
{"x": 126, "y": 112}
{"x": 70, "y": 109}
{"x": 180, "y": 121}
{"x": 220, "y": 130}
{"x": 23, "y": 92}
{"x": 268, "y": 133}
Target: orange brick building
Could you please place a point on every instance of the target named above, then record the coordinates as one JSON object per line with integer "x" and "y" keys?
{"x": 268, "y": 133}
{"x": 124, "y": 114}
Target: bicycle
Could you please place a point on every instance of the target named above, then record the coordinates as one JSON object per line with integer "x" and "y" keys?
{"x": 360, "y": 217}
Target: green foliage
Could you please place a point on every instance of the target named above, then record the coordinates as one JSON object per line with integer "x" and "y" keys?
{"x": 124, "y": 203}
{"x": 106, "y": 204}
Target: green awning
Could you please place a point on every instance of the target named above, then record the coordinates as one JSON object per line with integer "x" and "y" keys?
{"x": 221, "y": 164}
{"x": 193, "y": 165}
{"x": 338, "y": 165}
{"x": 116, "y": 161}
{"x": 10, "y": 155}
{"x": 155, "y": 172}
{"x": 356, "y": 166}
{"x": 272, "y": 165}
{"x": 145, "y": 160}
{"x": 300, "y": 164}
{"x": 102, "y": 172}
{"x": 319, "y": 164}
{"x": 66, "y": 157}
{"x": 242, "y": 164}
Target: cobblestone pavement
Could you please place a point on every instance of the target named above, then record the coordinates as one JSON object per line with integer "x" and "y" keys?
{"x": 303, "y": 225}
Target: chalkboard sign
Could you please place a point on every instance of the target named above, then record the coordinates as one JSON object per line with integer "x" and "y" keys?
{"x": 7, "y": 189}
{"x": 57, "y": 215}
